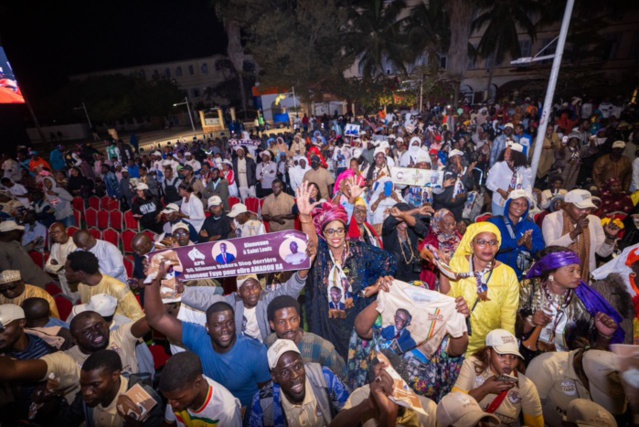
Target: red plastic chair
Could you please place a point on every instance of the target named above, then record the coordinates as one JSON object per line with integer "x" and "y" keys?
{"x": 116, "y": 220}
{"x": 151, "y": 234}
{"x": 78, "y": 217}
{"x": 233, "y": 201}
{"x": 71, "y": 230}
{"x": 91, "y": 217}
{"x": 159, "y": 355}
{"x": 253, "y": 204}
{"x": 130, "y": 223}
{"x": 64, "y": 305}
{"x": 52, "y": 289}
{"x": 113, "y": 205}
{"x": 38, "y": 258}
{"x": 78, "y": 205}
{"x": 104, "y": 202}
{"x": 127, "y": 240}
{"x": 95, "y": 233}
{"x": 128, "y": 265}
{"x": 94, "y": 202}
{"x": 103, "y": 220}
{"x": 111, "y": 236}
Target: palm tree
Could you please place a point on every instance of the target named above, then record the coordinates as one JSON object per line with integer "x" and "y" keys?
{"x": 428, "y": 30}
{"x": 375, "y": 35}
{"x": 460, "y": 15}
{"x": 500, "y": 21}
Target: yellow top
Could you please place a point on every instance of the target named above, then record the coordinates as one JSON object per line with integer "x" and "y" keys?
{"x": 497, "y": 313}
{"x": 128, "y": 306}
{"x": 33, "y": 292}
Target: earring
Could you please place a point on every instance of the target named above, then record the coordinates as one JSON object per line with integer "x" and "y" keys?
{"x": 551, "y": 278}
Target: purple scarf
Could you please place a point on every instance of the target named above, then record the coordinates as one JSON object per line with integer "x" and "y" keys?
{"x": 592, "y": 300}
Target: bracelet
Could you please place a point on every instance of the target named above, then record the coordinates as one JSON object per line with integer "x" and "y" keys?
{"x": 607, "y": 337}
{"x": 531, "y": 321}
{"x": 305, "y": 222}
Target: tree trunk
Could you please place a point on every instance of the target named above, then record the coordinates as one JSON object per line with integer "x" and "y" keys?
{"x": 491, "y": 70}
{"x": 460, "y": 13}
{"x": 235, "y": 52}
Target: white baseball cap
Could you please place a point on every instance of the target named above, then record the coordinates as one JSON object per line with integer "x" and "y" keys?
{"x": 214, "y": 201}
{"x": 170, "y": 208}
{"x": 515, "y": 146}
{"x": 580, "y": 198}
{"x": 461, "y": 410}
{"x": 503, "y": 342}
{"x": 278, "y": 349}
{"x": 454, "y": 153}
{"x": 178, "y": 226}
{"x": 237, "y": 209}
{"x": 9, "y": 313}
{"x": 243, "y": 279}
{"x": 509, "y": 125}
{"x": 618, "y": 144}
{"x": 141, "y": 186}
{"x": 103, "y": 304}
{"x": 516, "y": 194}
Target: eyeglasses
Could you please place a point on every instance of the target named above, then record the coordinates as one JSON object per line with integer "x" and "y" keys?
{"x": 286, "y": 373}
{"x": 482, "y": 243}
{"x": 335, "y": 232}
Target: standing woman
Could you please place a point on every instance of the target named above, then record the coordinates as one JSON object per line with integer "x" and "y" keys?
{"x": 146, "y": 209}
{"x": 345, "y": 275}
{"x": 510, "y": 172}
{"x": 191, "y": 209}
{"x": 229, "y": 175}
{"x": 489, "y": 288}
{"x": 60, "y": 200}
{"x": 568, "y": 160}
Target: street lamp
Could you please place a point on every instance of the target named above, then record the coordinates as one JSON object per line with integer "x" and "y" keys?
{"x": 84, "y": 107}
{"x": 552, "y": 84}
{"x": 188, "y": 108}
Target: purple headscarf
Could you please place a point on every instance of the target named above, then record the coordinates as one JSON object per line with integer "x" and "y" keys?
{"x": 592, "y": 300}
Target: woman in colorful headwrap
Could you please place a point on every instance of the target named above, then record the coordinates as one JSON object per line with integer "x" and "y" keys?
{"x": 359, "y": 229}
{"x": 345, "y": 276}
{"x": 614, "y": 199}
{"x": 488, "y": 288}
{"x": 444, "y": 237}
{"x": 557, "y": 300}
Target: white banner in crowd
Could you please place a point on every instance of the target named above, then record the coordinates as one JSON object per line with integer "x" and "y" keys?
{"x": 417, "y": 177}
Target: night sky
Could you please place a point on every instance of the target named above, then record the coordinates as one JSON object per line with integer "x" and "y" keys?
{"x": 46, "y": 41}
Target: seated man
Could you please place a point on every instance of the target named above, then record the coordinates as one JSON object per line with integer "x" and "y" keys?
{"x": 109, "y": 256}
{"x": 101, "y": 385}
{"x": 299, "y": 394}
{"x": 62, "y": 246}
{"x": 250, "y": 302}
{"x": 237, "y": 362}
{"x": 14, "y": 257}
{"x": 193, "y": 397}
{"x": 91, "y": 333}
{"x": 172, "y": 215}
{"x": 370, "y": 406}
{"x": 37, "y": 312}
{"x": 243, "y": 224}
{"x": 14, "y": 291}
{"x": 284, "y": 318}
{"x": 82, "y": 268}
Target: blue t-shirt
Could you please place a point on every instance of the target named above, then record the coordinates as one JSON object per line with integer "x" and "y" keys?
{"x": 56, "y": 322}
{"x": 239, "y": 370}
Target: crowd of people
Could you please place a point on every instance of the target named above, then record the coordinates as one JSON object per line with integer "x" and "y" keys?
{"x": 448, "y": 285}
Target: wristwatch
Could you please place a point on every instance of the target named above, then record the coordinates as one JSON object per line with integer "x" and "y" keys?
{"x": 362, "y": 293}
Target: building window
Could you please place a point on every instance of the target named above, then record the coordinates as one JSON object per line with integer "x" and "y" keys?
{"x": 443, "y": 62}
{"x": 178, "y": 72}
{"x": 525, "y": 48}
{"x": 195, "y": 92}
{"x": 611, "y": 46}
{"x": 191, "y": 70}
{"x": 204, "y": 68}
{"x": 167, "y": 73}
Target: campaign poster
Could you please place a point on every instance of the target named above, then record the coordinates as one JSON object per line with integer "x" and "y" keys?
{"x": 417, "y": 177}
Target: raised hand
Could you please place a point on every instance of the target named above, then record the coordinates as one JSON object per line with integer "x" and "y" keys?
{"x": 304, "y": 204}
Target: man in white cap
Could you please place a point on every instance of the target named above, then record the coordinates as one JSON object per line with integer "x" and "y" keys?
{"x": 300, "y": 394}
{"x": 62, "y": 246}
{"x": 562, "y": 377}
{"x": 245, "y": 173}
{"x": 146, "y": 208}
{"x": 217, "y": 226}
{"x": 613, "y": 165}
{"x": 266, "y": 173}
{"x": 457, "y": 182}
{"x": 500, "y": 142}
{"x": 193, "y": 162}
{"x": 243, "y": 222}
{"x": 461, "y": 410}
{"x": 576, "y": 229}
{"x": 250, "y": 302}
{"x": 172, "y": 215}
{"x": 125, "y": 190}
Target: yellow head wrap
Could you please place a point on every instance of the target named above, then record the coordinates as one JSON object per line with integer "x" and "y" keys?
{"x": 465, "y": 246}
{"x": 360, "y": 202}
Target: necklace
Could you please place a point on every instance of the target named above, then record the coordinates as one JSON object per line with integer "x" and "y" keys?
{"x": 410, "y": 247}
{"x": 482, "y": 285}
{"x": 562, "y": 302}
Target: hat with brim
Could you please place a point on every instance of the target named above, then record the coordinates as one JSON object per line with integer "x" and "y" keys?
{"x": 141, "y": 187}
{"x": 461, "y": 410}
{"x": 582, "y": 199}
{"x": 238, "y": 208}
{"x": 171, "y": 208}
{"x": 214, "y": 201}
{"x": 180, "y": 225}
{"x": 6, "y": 226}
{"x": 278, "y": 349}
{"x": 10, "y": 313}
{"x": 503, "y": 342}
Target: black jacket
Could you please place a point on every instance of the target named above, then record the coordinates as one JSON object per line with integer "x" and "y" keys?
{"x": 250, "y": 171}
